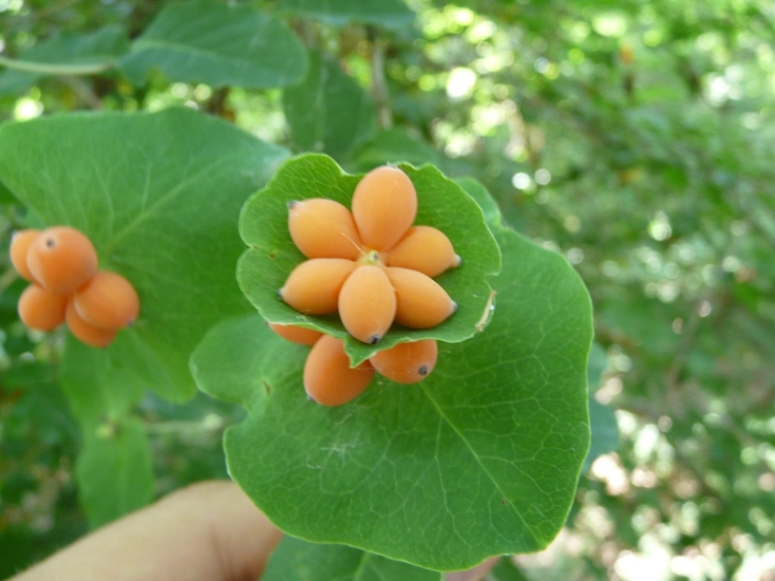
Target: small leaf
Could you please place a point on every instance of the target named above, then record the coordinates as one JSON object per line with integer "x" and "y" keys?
{"x": 263, "y": 269}
{"x": 159, "y": 195}
{"x": 114, "y": 470}
{"x": 475, "y": 189}
{"x": 66, "y": 48}
{"x": 392, "y": 146}
{"x": 217, "y": 44}
{"x": 389, "y": 13}
{"x": 481, "y": 458}
{"x": 328, "y": 111}
{"x": 297, "y": 560}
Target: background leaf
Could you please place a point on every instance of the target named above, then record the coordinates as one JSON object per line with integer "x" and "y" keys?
{"x": 479, "y": 459}
{"x": 505, "y": 570}
{"x": 167, "y": 206}
{"x": 99, "y": 47}
{"x": 328, "y": 111}
{"x": 264, "y": 268}
{"x": 114, "y": 470}
{"x": 217, "y": 44}
{"x": 297, "y": 560}
{"x": 390, "y": 13}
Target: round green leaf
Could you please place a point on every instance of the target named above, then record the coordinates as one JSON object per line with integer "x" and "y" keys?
{"x": 481, "y": 458}
{"x": 264, "y": 268}
{"x": 218, "y": 44}
{"x": 159, "y": 196}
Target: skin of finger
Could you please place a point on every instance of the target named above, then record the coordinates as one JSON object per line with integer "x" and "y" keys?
{"x": 209, "y": 531}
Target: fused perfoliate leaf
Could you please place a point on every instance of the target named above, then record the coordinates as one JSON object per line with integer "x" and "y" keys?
{"x": 266, "y": 265}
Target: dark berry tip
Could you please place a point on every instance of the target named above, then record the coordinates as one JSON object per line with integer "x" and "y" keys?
{"x": 423, "y": 370}
{"x": 374, "y": 339}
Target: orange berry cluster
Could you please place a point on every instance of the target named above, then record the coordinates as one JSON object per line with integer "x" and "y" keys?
{"x": 374, "y": 268}
{"x": 61, "y": 263}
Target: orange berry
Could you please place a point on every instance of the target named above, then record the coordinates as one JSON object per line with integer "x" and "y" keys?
{"x": 367, "y": 304}
{"x": 323, "y": 228}
{"x": 62, "y": 260}
{"x": 407, "y": 362}
{"x": 425, "y": 249}
{"x": 384, "y": 207}
{"x": 107, "y": 301}
{"x": 296, "y": 334}
{"x": 20, "y": 244}
{"x": 313, "y": 286}
{"x": 328, "y": 377}
{"x": 85, "y": 332}
{"x": 40, "y": 309}
{"x": 421, "y": 302}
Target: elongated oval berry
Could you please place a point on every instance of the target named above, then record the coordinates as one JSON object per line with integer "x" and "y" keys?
{"x": 85, "y": 332}
{"x": 313, "y": 286}
{"x": 328, "y": 377}
{"x": 384, "y": 207}
{"x": 407, "y": 362}
{"x": 40, "y": 309}
{"x": 107, "y": 301}
{"x": 367, "y": 304}
{"x": 20, "y": 245}
{"x": 323, "y": 228}
{"x": 62, "y": 259}
{"x": 424, "y": 249}
{"x": 421, "y": 302}
{"x": 296, "y": 334}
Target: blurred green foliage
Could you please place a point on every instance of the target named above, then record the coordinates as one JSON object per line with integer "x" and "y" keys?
{"x": 634, "y": 137}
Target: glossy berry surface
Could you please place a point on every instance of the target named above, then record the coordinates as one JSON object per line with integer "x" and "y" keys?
{"x": 20, "y": 245}
{"x": 367, "y": 304}
{"x": 328, "y": 377}
{"x": 296, "y": 334}
{"x": 425, "y": 249}
{"x": 407, "y": 362}
{"x": 62, "y": 259}
{"x": 313, "y": 286}
{"x": 384, "y": 207}
{"x": 107, "y": 301}
{"x": 40, "y": 309}
{"x": 323, "y": 228}
{"x": 86, "y": 333}
{"x": 421, "y": 303}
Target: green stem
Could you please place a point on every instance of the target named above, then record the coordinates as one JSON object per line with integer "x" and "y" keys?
{"x": 54, "y": 69}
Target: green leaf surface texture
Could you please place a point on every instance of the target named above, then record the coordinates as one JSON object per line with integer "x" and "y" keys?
{"x": 217, "y": 44}
{"x": 264, "y": 268}
{"x": 328, "y": 111}
{"x": 297, "y": 560}
{"x": 159, "y": 196}
{"x": 480, "y": 458}
{"x": 388, "y": 13}
{"x": 114, "y": 470}
{"x": 101, "y": 46}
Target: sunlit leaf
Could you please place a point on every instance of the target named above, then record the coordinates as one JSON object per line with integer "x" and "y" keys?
{"x": 219, "y": 45}
{"x": 481, "y": 458}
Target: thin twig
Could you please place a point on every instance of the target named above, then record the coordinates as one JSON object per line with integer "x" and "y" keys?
{"x": 54, "y": 69}
{"x": 378, "y": 80}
